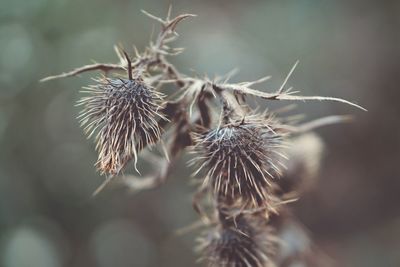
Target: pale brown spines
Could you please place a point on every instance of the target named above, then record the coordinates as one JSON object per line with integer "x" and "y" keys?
{"x": 124, "y": 114}
{"x": 241, "y": 159}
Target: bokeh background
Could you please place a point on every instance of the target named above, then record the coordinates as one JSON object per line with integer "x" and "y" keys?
{"x": 347, "y": 49}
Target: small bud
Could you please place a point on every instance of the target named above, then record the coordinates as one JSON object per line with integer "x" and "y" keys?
{"x": 240, "y": 159}
{"x": 124, "y": 114}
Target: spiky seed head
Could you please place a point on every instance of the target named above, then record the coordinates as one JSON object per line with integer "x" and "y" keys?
{"x": 123, "y": 113}
{"x": 243, "y": 241}
{"x": 241, "y": 159}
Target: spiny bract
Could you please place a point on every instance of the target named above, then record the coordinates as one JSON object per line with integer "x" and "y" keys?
{"x": 125, "y": 112}
{"x": 240, "y": 159}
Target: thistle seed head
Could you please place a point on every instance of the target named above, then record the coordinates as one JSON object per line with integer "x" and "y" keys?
{"x": 124, "y": 114}
{"x": 240, "y": 159}
{"x": 243, "y": 241}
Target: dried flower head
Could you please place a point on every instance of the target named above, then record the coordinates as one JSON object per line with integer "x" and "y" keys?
{"x": 125, "y": 113}
{"x": 242, "y": 241}
{"x": 241, "y": 158}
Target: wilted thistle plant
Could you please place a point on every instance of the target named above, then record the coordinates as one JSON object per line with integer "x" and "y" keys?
{"x": 240, "y": 153}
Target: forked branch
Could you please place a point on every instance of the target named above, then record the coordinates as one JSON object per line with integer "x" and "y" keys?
{"x": 151, "y": 56}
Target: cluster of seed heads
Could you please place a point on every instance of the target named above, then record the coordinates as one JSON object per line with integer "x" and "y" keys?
{"x": 240, "y": 153}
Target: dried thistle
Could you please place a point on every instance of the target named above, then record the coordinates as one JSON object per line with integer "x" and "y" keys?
{"x": 241, "y": 159}
{"x": 242, "y": 241}
{"x": 124, "y": 112}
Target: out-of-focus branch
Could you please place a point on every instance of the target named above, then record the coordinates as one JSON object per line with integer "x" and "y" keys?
{"x": 141, "y": 183}
{"x": 317, "y": 123}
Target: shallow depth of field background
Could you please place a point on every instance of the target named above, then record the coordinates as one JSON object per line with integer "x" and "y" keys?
{"x": 346, "y": 49}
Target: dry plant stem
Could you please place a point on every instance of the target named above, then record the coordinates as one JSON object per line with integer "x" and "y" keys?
{"x": 280, "y": 95}
{"x": 154, "y": 54}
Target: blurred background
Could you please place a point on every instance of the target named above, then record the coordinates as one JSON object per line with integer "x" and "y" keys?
{"x": 347, "y": 49}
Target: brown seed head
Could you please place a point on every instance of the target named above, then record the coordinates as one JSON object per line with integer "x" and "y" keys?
{"x": 243, "y": 241}
{"x": 240, "y": 158}
{"x": 124, "y": 114}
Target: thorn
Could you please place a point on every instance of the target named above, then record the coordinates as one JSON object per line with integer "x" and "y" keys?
{"x": 129, "y": 65}
{"x": 102, "y": 186}
{"x": 169, "y": 12}
{"x": 137, "y": 54}
{"x": 287, "y": 77}
{"x": 230, "y": 74}
{"x": 153, "y": 17}
{"x": 118, "y": 48}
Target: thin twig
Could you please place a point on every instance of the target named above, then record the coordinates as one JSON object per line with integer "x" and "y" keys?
{"x": 98, "y": 66}
{"x": 287, "y": 77}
